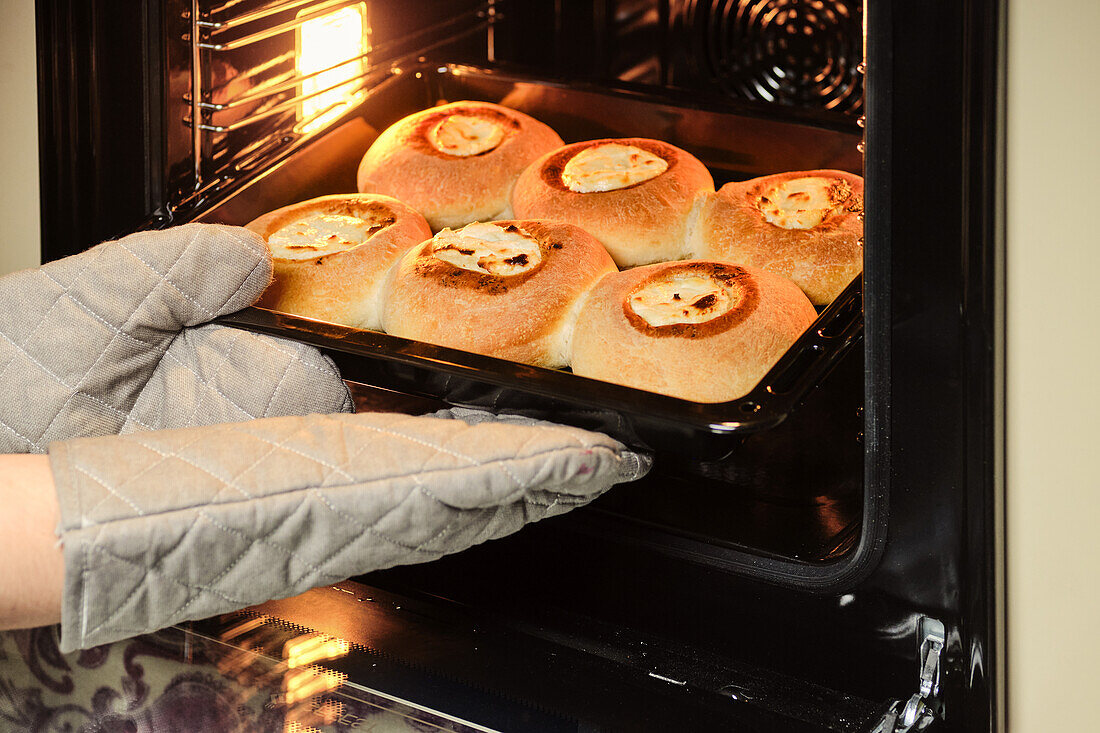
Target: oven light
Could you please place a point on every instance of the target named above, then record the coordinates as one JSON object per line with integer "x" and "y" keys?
{"x": 331, "y": 55}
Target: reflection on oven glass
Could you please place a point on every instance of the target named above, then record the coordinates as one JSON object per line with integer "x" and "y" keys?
{"x": 287, "y": 673}
{"x": 254, "y": 674}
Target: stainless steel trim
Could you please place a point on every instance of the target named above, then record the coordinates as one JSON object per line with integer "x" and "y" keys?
{"x": 919, "y": 711}
{"x": 196, "y": 96}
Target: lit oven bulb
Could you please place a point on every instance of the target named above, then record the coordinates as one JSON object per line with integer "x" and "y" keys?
{"x": 332, "y": 48}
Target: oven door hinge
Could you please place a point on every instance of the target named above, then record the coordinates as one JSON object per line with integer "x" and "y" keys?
{"x": 922, "y": 708}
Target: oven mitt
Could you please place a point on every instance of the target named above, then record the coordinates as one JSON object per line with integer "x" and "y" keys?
{"x": 160, "y": 527}
{"x": 164, "y": 525}
{"x": 111, "y": 341}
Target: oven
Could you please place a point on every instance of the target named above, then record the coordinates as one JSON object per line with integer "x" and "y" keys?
{"x": 827, "y": 560}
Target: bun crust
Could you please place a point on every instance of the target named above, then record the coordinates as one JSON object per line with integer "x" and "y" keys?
{"x": 527, "y": 317}
{"x": 638, "y": 224}
{"x": 453, "y": 190}
{"x": 712, "y": 361}
{"x": 344, "y": 286}
{"x": 821, "y": 259}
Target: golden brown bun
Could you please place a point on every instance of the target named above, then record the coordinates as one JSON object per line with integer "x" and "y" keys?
{"x": 526, "y": 317}
{"x": 822, "y": 260}
{"x": 453, "y": 190}
{"x": 346, "y": 286}
{"x": 639, "y": 224}
{"x": 713, "y": 361}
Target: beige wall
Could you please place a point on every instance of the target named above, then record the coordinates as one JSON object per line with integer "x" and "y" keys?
{"x": 19, "y": 244}
{"x": 1053, "y": 405}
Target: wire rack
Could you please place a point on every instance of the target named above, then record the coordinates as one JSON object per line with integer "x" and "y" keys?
{"x": 247, "y": 94}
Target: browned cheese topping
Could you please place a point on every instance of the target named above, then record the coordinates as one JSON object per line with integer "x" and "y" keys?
{"x": 683, "y": 297}
{"x": 320, "y": 233}
{"x": 488, "y": 248}
{"x": 609, "y": 167}
{"x": 808, "y": 202}
{"x": 466, "y": 135}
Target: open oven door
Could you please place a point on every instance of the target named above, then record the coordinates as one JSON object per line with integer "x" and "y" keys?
{"x": 357, "y": 657}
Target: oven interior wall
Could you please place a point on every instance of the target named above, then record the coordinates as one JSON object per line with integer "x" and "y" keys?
{"x": 803, "y": 55}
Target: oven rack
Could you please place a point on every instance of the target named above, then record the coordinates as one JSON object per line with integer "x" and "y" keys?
{"x": 275, "y": 93}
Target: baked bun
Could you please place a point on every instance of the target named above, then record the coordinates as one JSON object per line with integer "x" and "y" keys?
{"x": 804, "y": 225}
{"x": 508, "y": 289}
{"x": 702, "y": 331}
{"x": 633, "y": 194}
{"x": 332, "y": 255}
{"x": 456, "y": 163}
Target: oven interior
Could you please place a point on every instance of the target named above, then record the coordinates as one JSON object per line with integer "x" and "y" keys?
{"x": 283, "y": 116}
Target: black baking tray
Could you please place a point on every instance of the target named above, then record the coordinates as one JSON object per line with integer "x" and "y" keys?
{"x": 735, "y": 140}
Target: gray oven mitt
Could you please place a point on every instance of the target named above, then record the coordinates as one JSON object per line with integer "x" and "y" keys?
{"x": 157, "y": 525}
{"x": 112, "y": 340}
{"x": 160, "y": 527}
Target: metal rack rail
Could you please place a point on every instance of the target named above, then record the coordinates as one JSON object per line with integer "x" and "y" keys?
{"x": 270, "y": 89}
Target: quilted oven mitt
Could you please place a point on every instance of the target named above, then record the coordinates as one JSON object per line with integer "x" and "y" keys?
{"x": 159, "y": 526}
{"x": 163, "y": 526}
{"x": 112, "y": 341}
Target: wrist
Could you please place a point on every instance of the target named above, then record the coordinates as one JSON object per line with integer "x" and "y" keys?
{"x": 32, "y": 571}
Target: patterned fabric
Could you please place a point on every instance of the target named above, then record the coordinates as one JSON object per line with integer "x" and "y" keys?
{"x": 139, "y": 685}
{"x": 177, "y": 682}
{"x": 111, "y": 340}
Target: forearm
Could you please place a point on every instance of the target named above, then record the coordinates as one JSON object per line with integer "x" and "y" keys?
{"x": 31, "y": 565}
